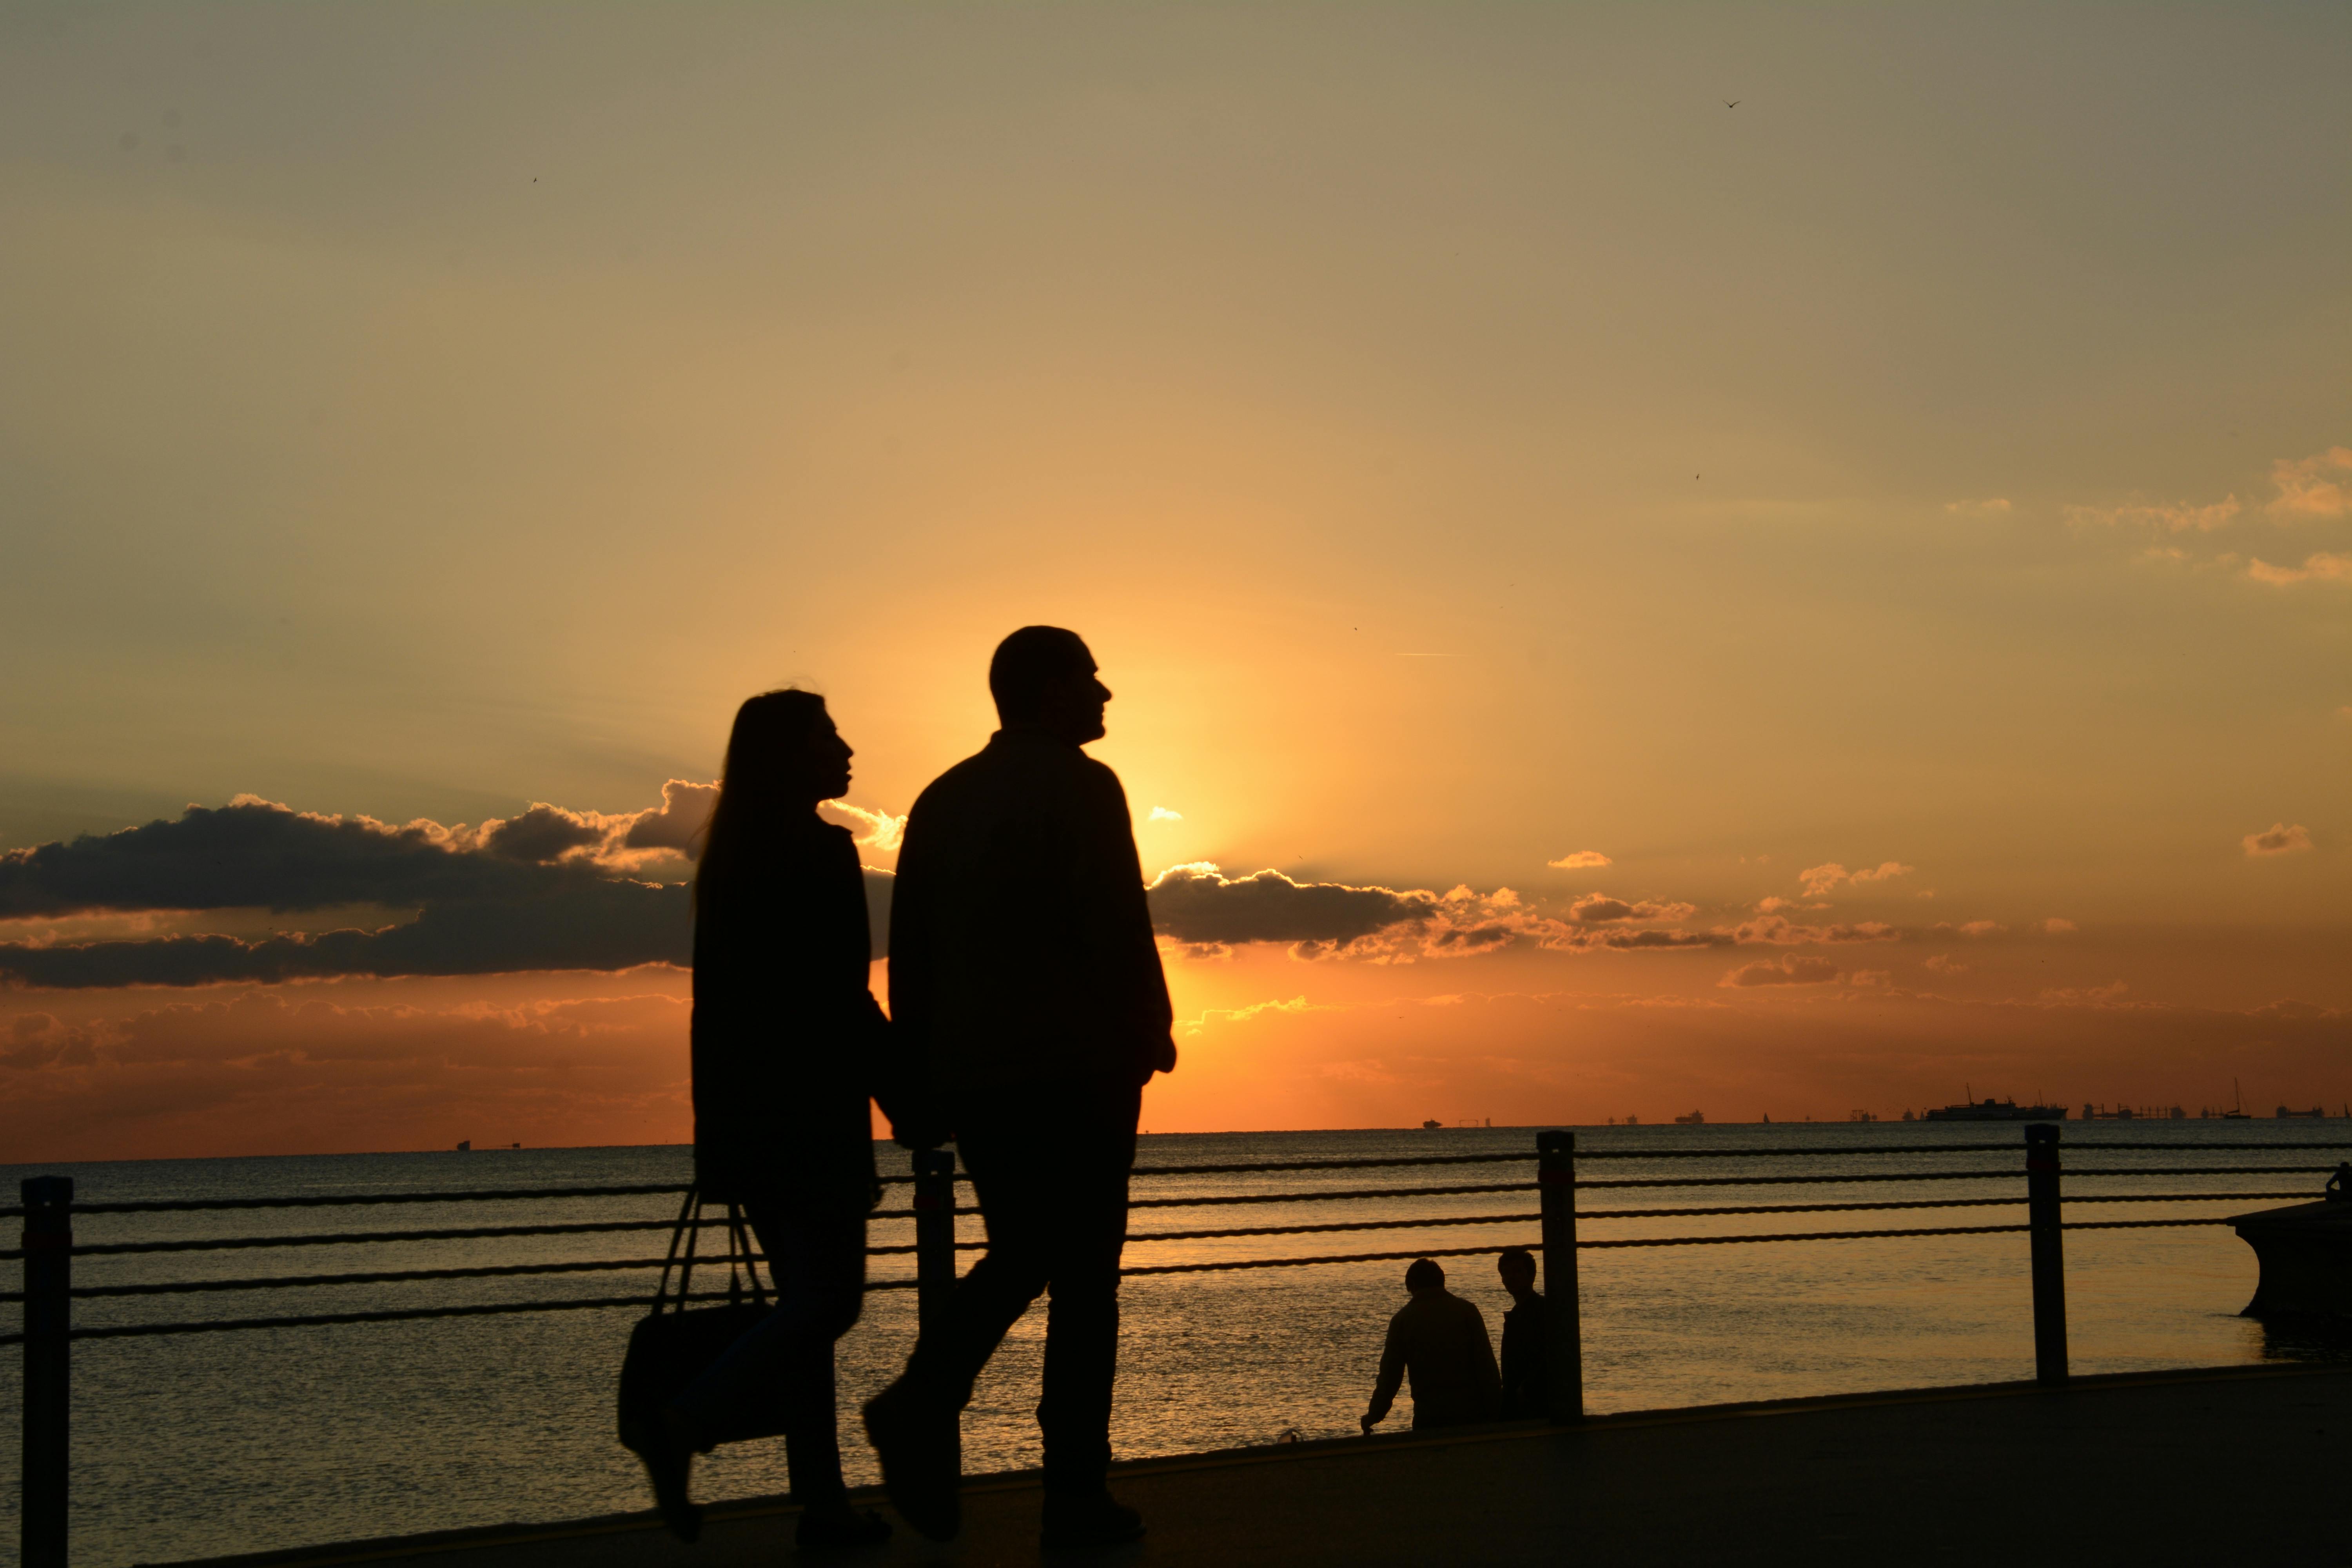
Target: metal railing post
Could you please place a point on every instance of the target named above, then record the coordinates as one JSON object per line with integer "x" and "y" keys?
{"x": 1563, "y": 1312}
{"x": 48, "y": 1388}
{"x": 935, "y": 1263}
{"x": 935, "y": 1258}
{"x": 2041, "y": 1219}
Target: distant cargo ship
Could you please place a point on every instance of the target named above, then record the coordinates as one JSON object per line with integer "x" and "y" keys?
{"x": 1996, "y": 1111}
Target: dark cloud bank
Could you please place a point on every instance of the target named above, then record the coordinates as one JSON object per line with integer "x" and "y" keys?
{"x": 554, "y": 889}
{"x": 522, "y": 894}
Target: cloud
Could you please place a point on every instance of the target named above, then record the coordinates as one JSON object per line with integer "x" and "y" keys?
{"x": 2305, "y": 489}
{"x": 2277, "y": 839}
{"x": 1944, "y": 963}
{"x": 1973, "y": 928}
{"x": 256, "y": 854}
{"x": 1779, "y": 931}
{"x": 1208, "y": 911}
{"x": 1789, "y": 969}
{"x": 1990, "y": 506}
{"x": 2319, "y": 566}
{"x": 1197, "y": 903}
{"x": 543, "y": 833}
{"x": 2085, "y": 996}
{"x": 592, "y": 923}
{"x": 1600, "y": 909}
{"x": 675, "y": 823}
{"x": 2058, "y": 925}
{"x": 1161, "y": 814}
{"x": 874, "y": 829}
{"x": 1578, "y": 861}
{"x": 2182, "y": 517}
{"x": 528, "y": 892}
{"x": 1819, "y": 880}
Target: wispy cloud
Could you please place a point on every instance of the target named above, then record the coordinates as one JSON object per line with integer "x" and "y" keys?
{"x": 2306, "y": 488}
{"x": 1789, "y": 969}
{"x": 1580, "y": 861}
{"x": 2179, "y": 517}
{"x": 2319, "y": 566}
{"x": 1973, "y": 928}
{"x": 1819, "y": 880}
{"x": 1600, "y": 909}
{"x": 2277, "y": 839}
{"x": 1990, "y": 506}
{"x": 1161, "y": 814}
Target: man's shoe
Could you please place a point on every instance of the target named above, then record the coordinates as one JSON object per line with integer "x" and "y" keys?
{"x": 848, "y": 1527}
{"x": 917, "y": 1444}
{"x": 1085, "y": 1519}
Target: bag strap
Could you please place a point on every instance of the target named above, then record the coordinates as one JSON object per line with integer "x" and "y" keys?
{"x": 688, "y": 1213}
{"x": 739, "y": 1248}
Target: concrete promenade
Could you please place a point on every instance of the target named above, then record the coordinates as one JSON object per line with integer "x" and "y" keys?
{"x": 2236, "y": 1466}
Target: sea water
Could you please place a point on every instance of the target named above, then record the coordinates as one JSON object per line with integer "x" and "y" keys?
{"x": 198, "y": 1445}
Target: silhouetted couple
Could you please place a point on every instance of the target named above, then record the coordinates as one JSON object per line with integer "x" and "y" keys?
{"x": 1028, "y": 1010}
{"x": 1438, "y": 1341}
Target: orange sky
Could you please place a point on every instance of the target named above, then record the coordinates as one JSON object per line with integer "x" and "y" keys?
{"x": 1896, "y": 530}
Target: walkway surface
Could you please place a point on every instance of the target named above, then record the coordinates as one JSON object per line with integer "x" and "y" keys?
{"x": 2241, "y": 1466}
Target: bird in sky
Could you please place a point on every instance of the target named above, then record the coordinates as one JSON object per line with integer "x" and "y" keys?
{"x": 1732, "y": 102}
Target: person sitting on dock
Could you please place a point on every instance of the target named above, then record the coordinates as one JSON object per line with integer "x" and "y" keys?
{"x": 1441, "y": 1340}
{"x": 1523, "y": 1335}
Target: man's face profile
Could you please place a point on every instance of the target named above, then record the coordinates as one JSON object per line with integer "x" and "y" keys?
{"x": 1071, "y": 703}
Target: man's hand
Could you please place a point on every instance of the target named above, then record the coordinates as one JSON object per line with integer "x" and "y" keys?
{"x": 1367, "y": 1423}
{"x": 917, "y": 1127}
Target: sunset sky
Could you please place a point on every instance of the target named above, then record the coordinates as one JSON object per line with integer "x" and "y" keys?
{"x": 1759, "y": 559}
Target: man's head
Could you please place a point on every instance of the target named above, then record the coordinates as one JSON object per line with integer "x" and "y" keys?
{"x": 1042, "y": 677}
{"x": 1425, "y": 1275}
{"x": 1517, "y": 1266}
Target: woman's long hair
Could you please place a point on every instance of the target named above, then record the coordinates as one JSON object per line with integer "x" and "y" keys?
{"x": 767, "y": 755}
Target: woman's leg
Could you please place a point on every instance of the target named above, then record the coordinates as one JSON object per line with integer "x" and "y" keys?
{"x": 818, "y": 1264}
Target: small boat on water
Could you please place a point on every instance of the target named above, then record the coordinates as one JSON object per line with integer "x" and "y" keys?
{"x": 1432, "y": 1125}
{"x": 1696, "y": 1119}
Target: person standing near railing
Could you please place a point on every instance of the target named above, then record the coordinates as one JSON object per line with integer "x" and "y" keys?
{"x": 1026, "y": 988}
{"x": 1439, "y": 1340}
{"x": 1525, "y": 1392}
{"x": 788, "y": 1046}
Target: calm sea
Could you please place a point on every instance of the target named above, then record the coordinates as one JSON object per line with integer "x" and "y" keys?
{"x": 200, "y": 1445}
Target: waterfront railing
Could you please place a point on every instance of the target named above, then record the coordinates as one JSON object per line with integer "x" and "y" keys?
{"x": 48, "y": 1246}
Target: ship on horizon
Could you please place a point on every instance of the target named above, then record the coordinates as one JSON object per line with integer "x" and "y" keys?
{"x": 1990, "y": 1110}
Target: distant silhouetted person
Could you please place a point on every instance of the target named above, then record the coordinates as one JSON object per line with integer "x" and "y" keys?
{"x": 787, "y": 1044}
{"x": 1024, "y": 979}
{"x": 1524, "y": 1393}
{"x": 1440, "y": 1341}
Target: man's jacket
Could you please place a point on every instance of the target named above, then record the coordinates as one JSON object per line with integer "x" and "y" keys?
{"x": 1021, "y": 947}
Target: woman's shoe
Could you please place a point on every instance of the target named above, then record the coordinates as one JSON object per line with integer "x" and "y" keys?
{"x": 669, "y": 1462}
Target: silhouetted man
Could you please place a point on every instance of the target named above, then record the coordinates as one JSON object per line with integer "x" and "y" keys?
{"x": 1440, "y": 1341}
{"x": 1523, "y": 1336}
{"x": 1024, "y": 978}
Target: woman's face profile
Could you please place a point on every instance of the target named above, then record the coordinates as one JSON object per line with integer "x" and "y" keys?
{"x": 828, "y": 762}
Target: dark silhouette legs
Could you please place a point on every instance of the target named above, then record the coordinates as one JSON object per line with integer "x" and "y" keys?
{"x": 1050, "y": 1170}
{"x": 818, "y": 1263}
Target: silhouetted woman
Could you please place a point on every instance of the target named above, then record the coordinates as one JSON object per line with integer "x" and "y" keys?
{"x": 787, "y": 1042}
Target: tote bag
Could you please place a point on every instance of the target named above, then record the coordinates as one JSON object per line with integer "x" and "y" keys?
{"x": 675, "y": 1343}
